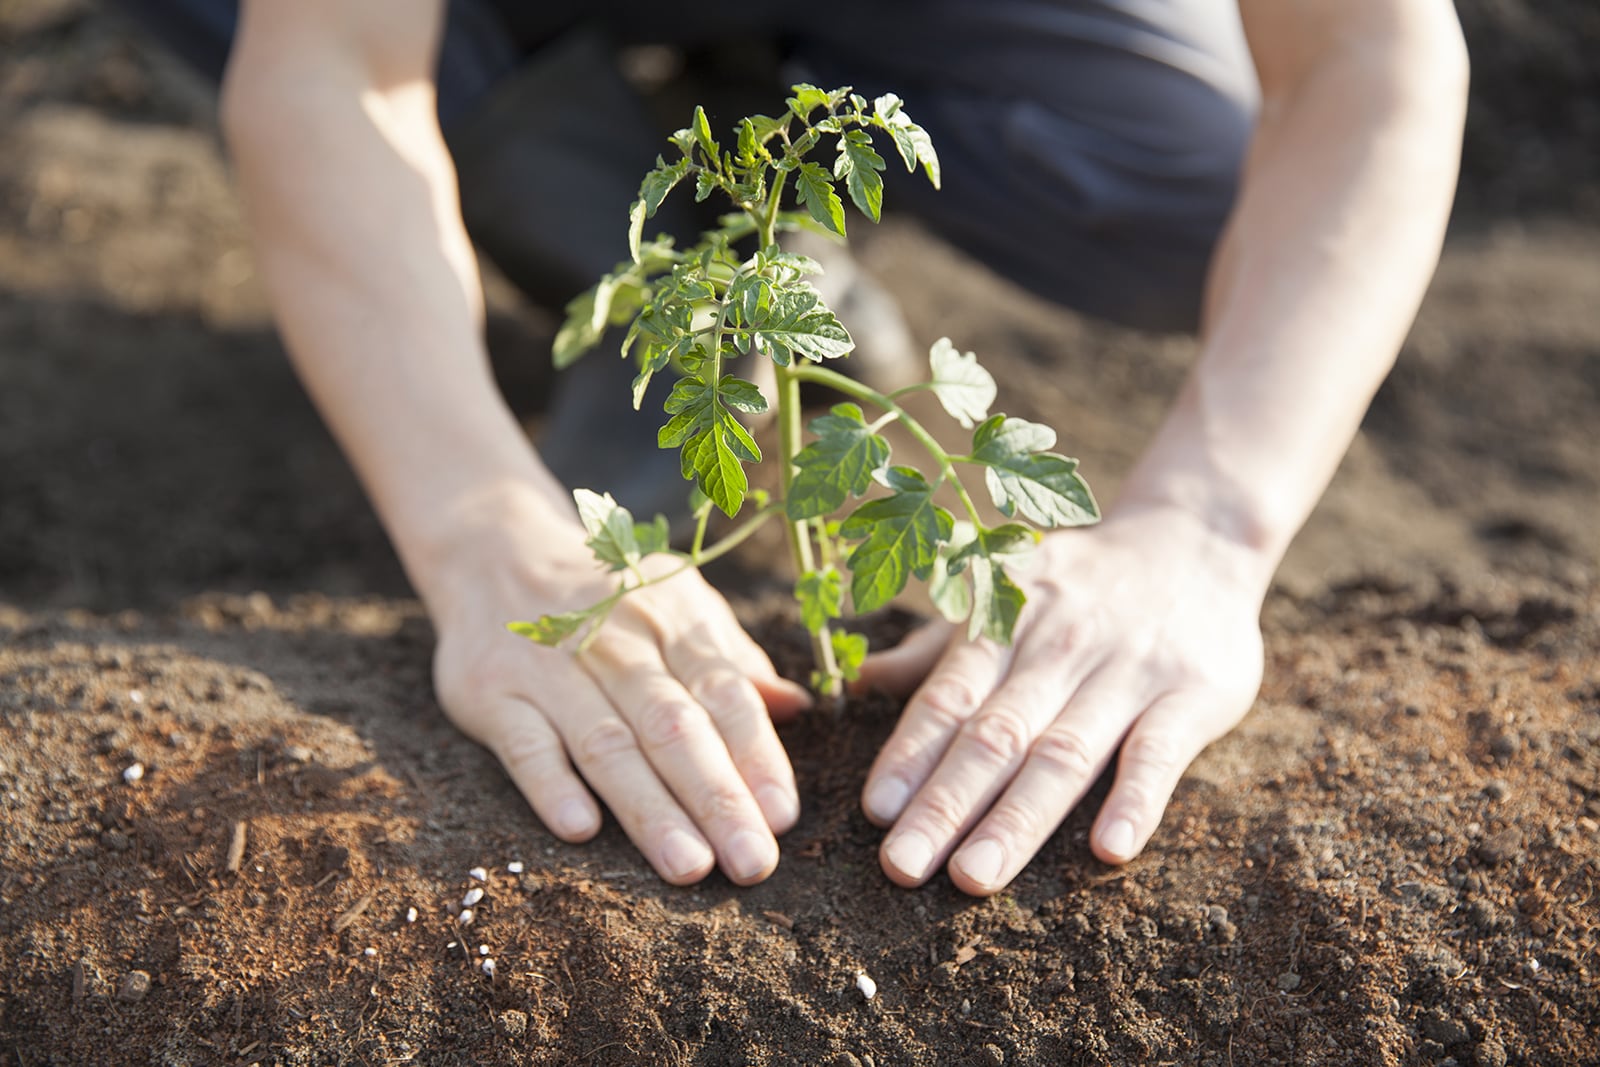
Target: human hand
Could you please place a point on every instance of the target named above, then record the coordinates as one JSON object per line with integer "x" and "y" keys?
{"x": 667, "y": 715}
{"x": 1142, "y": 631}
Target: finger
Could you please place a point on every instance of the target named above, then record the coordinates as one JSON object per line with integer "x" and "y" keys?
{"x": 899, "y": 670}
{"x": 984, "y": 753}
{"x": 1154, "y": 756}
{"x": 1061, "y": 765}
{"x": 783, "y": 698}
{"x": 607, "y": 754}
{"x": 951, "y": 695}
{"x": 740, "y": 715}
{"x": 680, "y": 741}
{"x": 532, "y": 753}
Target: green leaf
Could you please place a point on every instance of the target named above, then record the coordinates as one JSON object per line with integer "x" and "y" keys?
{"x": 702, "y": 135}
{"x": 614, "y": 537}
{"x": 859, "y": 165}
{"x": 913, "y": 142}
{"x": 821, "y": 597}
{"x": 996, "y": 602}
{"x": 900, "y": 537}
{"x": 849, "y": 652}
{"x": 551, "y": 629}
{"x": 1023, "y": 477}
{"x": 840, "y": 463}
{"x": 964, "y": 388}
{"x": 797, "y": 323}
{"x": 947, "y": 586}
{"x": 652, "y": 191}
{"x": 815, "y": 190}
{"x": 806, "y": 99}
{"x": 714, "y": 444}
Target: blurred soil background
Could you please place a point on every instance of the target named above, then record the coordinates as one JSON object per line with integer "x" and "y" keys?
{"x": 1395, "y": 859}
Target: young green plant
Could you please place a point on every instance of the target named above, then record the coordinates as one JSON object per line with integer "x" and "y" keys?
{"x": 737, "y": 293}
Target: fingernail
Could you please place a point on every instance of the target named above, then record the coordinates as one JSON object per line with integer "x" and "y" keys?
{"x": 572, "y": 817}
{"x": 887, "y": 799}
{"x": 750, "y": 855}
{"x": 1118, "y": 839}
{"x": 778, "y": 805}
{"x": 982, "y": 862}
{"x": 682, "y": 856}
{"x": 911, "y": 854}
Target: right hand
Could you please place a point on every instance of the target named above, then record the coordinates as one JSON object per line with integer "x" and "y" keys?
{"x": 667, "y": 715}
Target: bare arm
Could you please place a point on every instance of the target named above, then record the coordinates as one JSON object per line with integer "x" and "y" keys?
{"x": 1143, "y": 633}
{"x": 1337, "y": 230}
{"x": 329, "y": 110}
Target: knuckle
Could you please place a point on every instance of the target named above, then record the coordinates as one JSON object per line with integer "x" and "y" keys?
{"x": 948, "y": 699}
{"x": 528, "y": 753}
{"x": 1150, "y": 754}
{"x": 1066, "y": 753}
{"x": 1018, "y": 821}
{"x": 666, "y": 721}
{"x": 940, "y": 811}
{"x": 723, "y": 689}
{"x": 721, "y": 805}
{"x": 604, "y": 742}
{"x": 1070, "y": 638}
{"x": 1001, "y": 733}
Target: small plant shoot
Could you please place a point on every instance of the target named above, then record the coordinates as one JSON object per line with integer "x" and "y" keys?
{"x": 861, "y": 522}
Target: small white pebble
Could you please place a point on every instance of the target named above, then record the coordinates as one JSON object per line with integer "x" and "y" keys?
{"x": 465, "y": 918}
{"x": 868, "y": 987}
{"x": 411, "y": 915}
{"x": 1533, "y": 965}
{"x": 479, "y": 874}
{"x": 260, "y": 869}
{"x": 136, "y": 695}
{"x": 474, "y": 895}
{"x": 488, "y": 967}
{"x": 452, "y": 944}
{"x": 133, "y": 773}
{"x": 514, "y": 867}
{"x": 483, "y": 950}
{"x": 369, "y": 952}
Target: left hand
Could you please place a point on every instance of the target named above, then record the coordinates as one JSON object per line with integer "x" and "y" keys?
{"x": 1141, "y": 632}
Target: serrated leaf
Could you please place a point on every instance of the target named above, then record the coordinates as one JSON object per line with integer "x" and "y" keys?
{"x": 963, "y": 387}
{"x": 714, "y": 444}
{"x": 712, "y": 457}
{"x": 611, "y": 530}
{"x": 849, "y": 652}
{"x": 900, "y": 537}
{"x": 821, "y": 597}
{"x": 814, "y": 188}
{"x": 840, "y": 463}
{"x": 806, "y": 99}
{"x": 796, "y": 322}
{"x": 858, "y": 164}
{"x": 996, "y": 602}
{"x": 652, "y": 191}
{"x": 1022, "y": 477}
{"x": 912, "y": 141}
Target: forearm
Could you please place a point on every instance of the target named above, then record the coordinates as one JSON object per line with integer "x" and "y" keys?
{"x": 352, "y": 200}
{"x": 1336, "y": 232}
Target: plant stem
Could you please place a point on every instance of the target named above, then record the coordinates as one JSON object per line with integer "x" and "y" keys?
{"x": 789, "y": 438}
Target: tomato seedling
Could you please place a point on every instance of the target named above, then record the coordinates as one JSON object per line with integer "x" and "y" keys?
{"x": 697, "y": 309}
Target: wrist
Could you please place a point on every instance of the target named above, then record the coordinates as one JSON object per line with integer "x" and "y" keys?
{"x": 509, "y": 531}
{"x": 1229, "y": 542}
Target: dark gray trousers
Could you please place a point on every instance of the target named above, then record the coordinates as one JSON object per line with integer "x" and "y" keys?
{"x": 1090, "y": 148}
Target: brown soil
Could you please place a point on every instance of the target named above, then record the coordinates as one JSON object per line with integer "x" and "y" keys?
{"x": 1394, "y": 860}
